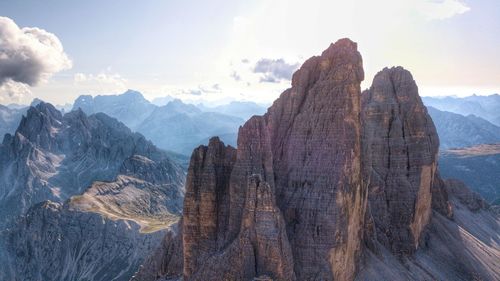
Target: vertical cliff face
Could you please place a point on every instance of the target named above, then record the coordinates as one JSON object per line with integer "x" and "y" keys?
{"x": 401, "y": 146}
{"x": 289, "y": 203}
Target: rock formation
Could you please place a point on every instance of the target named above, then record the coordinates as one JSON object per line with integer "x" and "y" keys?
{"x": 290, "y": 202}
{"x": 322, "y": 188}
{"x": 53, "y": 242}
{"x": 401, "y": 147}
{"x": 53, "y": 157}
{"x": 80, "y": 197}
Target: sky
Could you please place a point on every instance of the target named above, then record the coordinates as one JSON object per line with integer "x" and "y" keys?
{"x": 218, "y": 51}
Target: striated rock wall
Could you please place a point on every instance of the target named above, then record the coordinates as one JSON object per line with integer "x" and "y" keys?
{"x": 290, "y": 202}
{"x": 401, "y": 147}
{"x": 330, "y": 184}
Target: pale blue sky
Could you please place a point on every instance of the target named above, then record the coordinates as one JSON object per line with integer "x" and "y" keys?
{"x": 209, "y": 50}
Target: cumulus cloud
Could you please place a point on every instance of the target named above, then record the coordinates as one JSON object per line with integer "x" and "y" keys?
{"x": 14, "y": 92}
{"x": 29, "y": 55}
{"x": 442, "y": 9}
{"x": 275, "y": 70}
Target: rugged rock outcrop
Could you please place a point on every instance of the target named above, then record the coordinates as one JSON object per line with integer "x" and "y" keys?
{"x": 290, "y": 202}
{"x": 53, "y": 242}
{"x": 53, "y": 157}
{"x": 401, "y": 147}
{"x": 58, "y": 221}
{"x": 319, "y": 189}
{"x": 464, "y": 248}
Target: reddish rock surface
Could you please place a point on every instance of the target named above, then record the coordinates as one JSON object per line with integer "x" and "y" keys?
{"x": 316, "y": 179}
{"x": 292, "y": 206}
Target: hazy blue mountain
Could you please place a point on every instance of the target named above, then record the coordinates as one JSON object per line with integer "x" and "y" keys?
{"x": 181, "y": 127}
{"x": 175, "y": 126}
{"x": 242, "y": 109}
{"x": 456, "y": 130}
{"x": 487, "y": 107}
{"x": 161, "y": 101}
{"x": 131, "y": 107}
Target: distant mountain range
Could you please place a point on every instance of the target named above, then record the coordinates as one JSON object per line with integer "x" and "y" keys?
{"x": 242, "y": 109}
{"x": 486, "y": 107}
{"x": 175, "y": 126}
{"x": 456, "y": 130}
{"x": 131, "y": 107}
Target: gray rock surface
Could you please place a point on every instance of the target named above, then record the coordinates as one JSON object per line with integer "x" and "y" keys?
{"x": 52, "y": 157}
{"x": 82, "y": 197}
{"x": 54, "y": 242}
{"x": 401, "y": 147}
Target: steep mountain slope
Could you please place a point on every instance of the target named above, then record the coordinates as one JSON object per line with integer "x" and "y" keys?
{"x": 456, "y": 130}
{"x": 131, "y": 107}
{"x": 81, "y": 197}
{"x": 477, "y": 166}
{"x": 330, "y": 186}
{"x": 52, "y": 157}
{"x": 55, "y": 242}
{"x": 181, "y": 127}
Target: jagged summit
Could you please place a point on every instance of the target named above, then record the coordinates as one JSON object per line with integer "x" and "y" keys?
{"x": 401, "y": 147}
{"x": 329, "y": 184}
{"x": 52, "y": 157}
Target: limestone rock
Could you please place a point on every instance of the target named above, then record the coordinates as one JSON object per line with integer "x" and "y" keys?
{"x": 321, "y": 190}
{"x": 290, "y": 202}
{"x": 401, "y": 147}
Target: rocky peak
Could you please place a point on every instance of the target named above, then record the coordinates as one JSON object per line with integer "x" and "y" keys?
{"x": 40, "y": 125}
{"x": 318, "y": 178}
{"x": 401, "y": 146}
{"x": 52, "y": 157}
{"x": 296, "y": 179}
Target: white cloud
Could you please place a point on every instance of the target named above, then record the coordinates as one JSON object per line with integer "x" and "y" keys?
{"x": 442, "y": 9}
{"x": 14, "y": 92}
{"x": 275, "y": 70}
{"x": 29, "y": 55}
{"x": 103, "y": 82}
